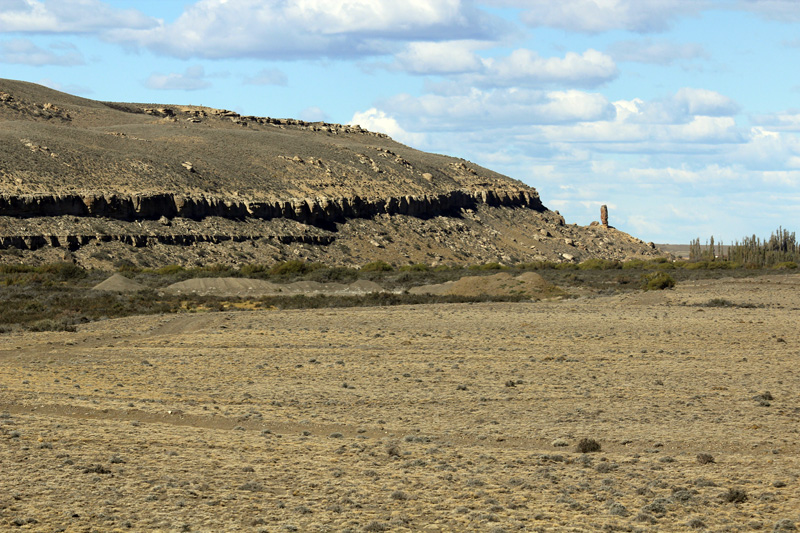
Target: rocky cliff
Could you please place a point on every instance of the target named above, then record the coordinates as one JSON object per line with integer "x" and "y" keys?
{"x": 100, "y": 183}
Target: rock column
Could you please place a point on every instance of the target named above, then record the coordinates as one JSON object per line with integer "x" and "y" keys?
{"x": 604, "y": 215}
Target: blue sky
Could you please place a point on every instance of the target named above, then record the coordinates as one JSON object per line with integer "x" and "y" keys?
{"x": 683, "y": 116}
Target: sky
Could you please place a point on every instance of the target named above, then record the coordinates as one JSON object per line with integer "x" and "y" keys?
{"x": 682, "y": 116}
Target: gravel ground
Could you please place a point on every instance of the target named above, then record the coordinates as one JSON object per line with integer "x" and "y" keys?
{"x": 414, "y": 418}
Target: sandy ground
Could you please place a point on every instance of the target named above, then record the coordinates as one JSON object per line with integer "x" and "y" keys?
{"x": 414, "y": 418}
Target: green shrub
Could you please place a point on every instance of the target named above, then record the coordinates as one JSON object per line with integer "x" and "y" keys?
{"x": 169, "y": 270}
{"x": 340, "y": 274}
{"x": 215, "y": 271}
{"x": 599, "y": 264}
{"x": 254, "y": 270}
{"x": 638, "y": 264}
{"x": 536, "y": 265}
{"x": 416, "y": 267}
{"x": 566, "y": 266}
{"x": 15, "y": 269}
{"x": 488, "y": 266}
{"x": 785, "y": 265}
{"x": 294, "y": 267}
{"x": 63, "y": 271}
{"x": 377, "y": 266}
{"x": 657, "y": 281}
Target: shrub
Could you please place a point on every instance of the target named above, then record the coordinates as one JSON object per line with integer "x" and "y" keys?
{"x": 293, "y": 267}
{"x": 657, "y": 281}
{"x": 341, "y": 274}
{"x": 253, "y": 270}
{"x": 719, "y": 302}
{"x": 735, "y": 496}
{"x": 785, "y": 265}
{"x": 599, "y": 264}
{"x": 377, "y": 266}
{"x": 169, "y": 270}
{"x": 15, "y": 269}
{"x": 63, "y": 271}
{"x": 416, "y": 267}
{"x": 588, "y": 446}
{"x": 705, "y": 458}
{"x": 487, "y": 266}
{"x": 635, "y": 264}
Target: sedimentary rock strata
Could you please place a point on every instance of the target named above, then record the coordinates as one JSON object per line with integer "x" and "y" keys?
{"x": 108, "y": 181}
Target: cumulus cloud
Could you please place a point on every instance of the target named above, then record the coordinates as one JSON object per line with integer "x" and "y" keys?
{"x": 655, "y": 52}
{"x": 313, "y": 114}
{"x": 193, "y": 79}
{"x": 780, "y": 10}
{"x": 25, "y": 52}
{"x": 268, "y": 76}
{"x": 478, "y": 108}
{"x": 521, "y": 68}
{"x": 375, "y": 120}
{"x": 66, "y": 88}
{"x": 67, "y": 16}
{"x": 784, "y": 121}
{"x": 705, "y": 102}
{"x": 594, "y": 16}
{"x": 526, "y": 68}
{"x": 451, "y": 57}
{"x": 312, "y": 28}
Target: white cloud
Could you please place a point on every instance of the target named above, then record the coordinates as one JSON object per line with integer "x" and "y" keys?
{"x": 68, "y": 88}
{"x": 594, "y": 16}
{"x": 67, "y": 16}
{"x": 268, "y": 76}
{"x": 526, "y": 68}
{"x": 375, "y": 120}
{"x": 655, "y": 52}
{"x": 193, "y": 79}
{"x": 780, "y": 10}
{"x": 448, "y": 57}
{"x": 25, "y": 52}
{"x": 288, "y": 29}
{"x": 313, "y": 114}
{"x": 521, "y": 68}
{"x": 479, "y": 109}
{"x": 705, "y": 102}
{"x": 785, "y": 121}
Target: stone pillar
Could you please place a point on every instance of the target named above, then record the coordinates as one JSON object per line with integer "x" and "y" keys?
{"x": 604, "y": 215}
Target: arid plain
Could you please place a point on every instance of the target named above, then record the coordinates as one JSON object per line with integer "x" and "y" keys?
{"x": 462, "y": 417}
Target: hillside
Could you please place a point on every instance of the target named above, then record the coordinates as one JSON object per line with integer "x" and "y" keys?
{"x": 102, "y": 183}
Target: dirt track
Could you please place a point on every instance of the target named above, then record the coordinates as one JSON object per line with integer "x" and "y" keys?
{"x": 434, "y": 418}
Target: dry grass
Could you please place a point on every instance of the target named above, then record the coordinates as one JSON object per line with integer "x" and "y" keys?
{"x": 400, "y": 418}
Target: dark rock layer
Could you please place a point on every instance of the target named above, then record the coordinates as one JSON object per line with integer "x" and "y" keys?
{"x": 321, "y": 212}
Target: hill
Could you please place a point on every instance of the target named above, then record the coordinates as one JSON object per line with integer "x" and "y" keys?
{"x": 105, "y": 183}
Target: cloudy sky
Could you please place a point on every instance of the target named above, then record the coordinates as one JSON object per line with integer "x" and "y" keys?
{"x": 683, "y": 116}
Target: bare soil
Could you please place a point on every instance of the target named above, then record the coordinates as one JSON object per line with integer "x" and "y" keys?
{"x": 414, "y": 418}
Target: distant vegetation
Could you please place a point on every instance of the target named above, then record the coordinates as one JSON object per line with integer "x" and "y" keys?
{"x": 781, "y": 250}
{"x": 56, "y": 296}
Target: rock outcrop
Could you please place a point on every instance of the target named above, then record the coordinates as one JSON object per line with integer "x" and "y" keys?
{"x": 322, "y": 212}
{"x": 149, "y": 184}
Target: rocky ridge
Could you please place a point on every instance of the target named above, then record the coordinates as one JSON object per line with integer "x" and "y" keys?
{"x": 102, "y": 183}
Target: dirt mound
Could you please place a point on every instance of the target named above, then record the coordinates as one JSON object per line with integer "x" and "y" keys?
{"x": 313, "y": 287}
{"x": 364, "y": 286}
{"x": 528, "y": 285}
{"x": 224, "y": 287}
{"x": 257, "y": 287}
{"x": 119, "y": 283}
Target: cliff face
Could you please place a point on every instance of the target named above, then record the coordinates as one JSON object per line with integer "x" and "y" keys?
{"x": 323, "y": 212}
{"x": 154, "y": 184}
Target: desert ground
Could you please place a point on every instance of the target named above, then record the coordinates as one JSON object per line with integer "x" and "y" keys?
{"x": 458, "y": 417}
